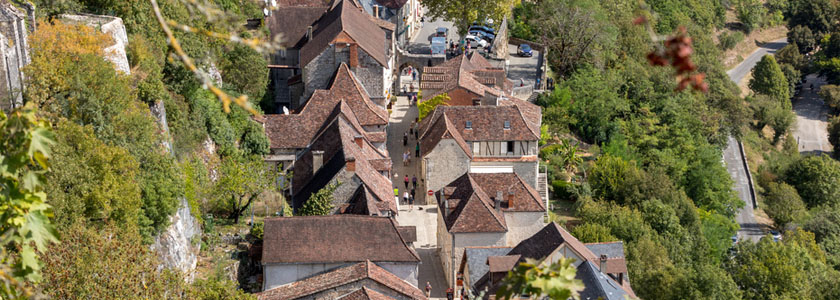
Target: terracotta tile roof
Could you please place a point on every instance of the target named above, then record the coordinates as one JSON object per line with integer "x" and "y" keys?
{"x": 487, "y": 122}
{"x": 341, "y": 277}
{"x": 292, "y": 31}
{"x": 297, "y": 130}
{"x": 365, "y": 293}
{"x": 334, "y": 239}
{"x": 472, "y": 209}
{"x": 383, "y": 164}
{"x": 474, "y": 74}
{"x": 512, "y": 187}
{"x": 338, "y": 142}
{"x": 345, "y": 17}
{"x": 502, "y": 263}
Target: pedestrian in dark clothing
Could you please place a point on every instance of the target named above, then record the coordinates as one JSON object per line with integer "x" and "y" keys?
{"x": 414, "y": 76}
{"x": 411, "y": 202}
{"x": 416, "y": 151}
{"x": 406, "y": 181}
{"x": 414, "y": 181}
{"x": 405, "y": 139}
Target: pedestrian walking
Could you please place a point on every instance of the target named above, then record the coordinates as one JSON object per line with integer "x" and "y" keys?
{"x": 416, "y": 130}
{"x": 428, "y": 289}
{"x": 406, "y": 183}
{"x": 407, "y": 155}
{"x": 396, "y": 192}
{"x": 411, "y": 129}
{"x": 405, "y": 196}
{"x": 405, "y": 139}
{"x": 411, "y": 202}
{"x": 405, "y": 159}
{"x": 414, "y": 181}
{"x": 412, "y": 193}
{"x": 414, "y": 76}
{"x": 417, "y": 150}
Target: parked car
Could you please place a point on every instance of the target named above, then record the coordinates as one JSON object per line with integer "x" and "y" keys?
{"x": 441, "y": 32}
{"x": 438, "y": 45}
{"x": 524, "y": 50}
{"x": 484, "y": 35}
{"x": 776, "y": 235}
{"x": 483, "y": 28}
{"x": 475, "y": 41}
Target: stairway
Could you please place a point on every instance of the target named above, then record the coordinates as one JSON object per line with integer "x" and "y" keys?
{"x": 542, "y": 186}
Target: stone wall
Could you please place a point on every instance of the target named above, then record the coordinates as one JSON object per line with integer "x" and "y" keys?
{"x": 318, "y": 73}
{"x": 280, "y": 274}
{"x": 445, "y": 163}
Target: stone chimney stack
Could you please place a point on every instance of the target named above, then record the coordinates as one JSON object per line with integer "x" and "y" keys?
{"x": 359, "y": 141}
{"x": 510, "y": 200}
{"x": 309, "y": 33}
{"x": 603, "y": 264}
{"x": 317, "y": 160}
{"x": 498, "y": 201}
{"x": 350, "y": 164}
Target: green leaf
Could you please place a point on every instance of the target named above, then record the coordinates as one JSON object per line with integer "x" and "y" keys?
{"x": 31, "y": 180}
{"x": 38, "y": 229}
{"x": 41, "y": 141}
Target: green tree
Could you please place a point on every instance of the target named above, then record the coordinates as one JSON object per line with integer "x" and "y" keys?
{"x": 218, "y": 289}
{"x": 817, "y": 179}
{"x": 464, "y": 13}
{"x": 245, "y": 70}
{"x": 572, "y": 29}
{"x": 750, "y": 13}
{"x": 793, "y": 77}
{"x": 424, "y": 108}
{"x": 593, "y": 233}
{"x": 834, "y": 135}
{"x": 320, "y": 203}
{"x": 789, "y": 54}
{"x": 832, "y": 47}
{"x": 803, "y": 38}
{"x": 783, "y": 204}
{"x": 554, "y": 281}
{"x": 817, "y": 15}
{"x": 241, "y": 181}
{"x": 92, "y": 180}
{"x": 831, "y": 95}
{"x": 26, "y": 149}
{"x": 768, "y": 79}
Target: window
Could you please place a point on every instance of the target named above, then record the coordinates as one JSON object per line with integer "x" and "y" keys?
{"x": 476, "y": 148}
{"x": 469, "y": 125}
{"x": 509, "y": 147}
{"x": 507, "y": 124}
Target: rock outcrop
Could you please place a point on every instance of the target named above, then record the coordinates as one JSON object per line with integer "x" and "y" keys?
{"x": 15, "y": 54}
{"x": 112, "y": 26}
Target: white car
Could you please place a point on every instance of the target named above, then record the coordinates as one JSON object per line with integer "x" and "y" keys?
{"x": 475, "y": 41}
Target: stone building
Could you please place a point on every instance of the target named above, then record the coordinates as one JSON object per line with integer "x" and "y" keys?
{"x": 297, "y": 250}
{"x": 600, "y": 266}
{"x": 404, "y": 14}
{"x": 485, "y": 209}
{"x": 467, "y": 80}
{"x": 322, "y": 37}
{"x": 290, "y": 134}
{"x": 500, "y": 138}
{"x": 15, "y": 27}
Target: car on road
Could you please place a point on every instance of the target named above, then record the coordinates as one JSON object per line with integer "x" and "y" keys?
{"x": 438, "y": 45}
{"x": 442, "y": 32}
{"x": 524, "y": 50}
{"x": 483, "y": 35}
{"x": 776, "y": 235}
{"x": 475, "y": 41}
{"x": 482, "y": 28}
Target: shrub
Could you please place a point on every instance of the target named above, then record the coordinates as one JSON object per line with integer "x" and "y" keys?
{"x": 783, "y": 204}
{"x": 729, "y": 40}
{"x": 817, "y": 179}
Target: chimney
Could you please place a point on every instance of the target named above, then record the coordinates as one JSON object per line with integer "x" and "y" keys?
{"x": 309, "y": 33}
{"x": 317, "y": 160}
{"x": 358, "y": 140}
{"x": 354, "y": 55}
{"x": 510, "y": 200}
{"x": 498, "y": 201}
{"x": 603, "y": 264}
{"x": 621, "y": 278}
{"x": 350, "y": 164}
{"x": 445, "y": 211}
{"x": 376, "y": 11}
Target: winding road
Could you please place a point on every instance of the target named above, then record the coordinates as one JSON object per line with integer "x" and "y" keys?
{"x": 732, "y": 156}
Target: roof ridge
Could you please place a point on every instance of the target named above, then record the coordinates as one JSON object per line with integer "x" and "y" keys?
{"x": 456, "y": 135}
{"x": 394, "y": 222}
{"x": 534, "y": 194}
{"x": 477, "y": 188}
{"x": 525, "y": 120}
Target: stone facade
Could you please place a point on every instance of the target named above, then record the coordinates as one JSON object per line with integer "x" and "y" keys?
{"x": 443, "y": 164}
{"x": 527, "y": 170}
{"x": 15, "y": 51}
{"x": 375, "y": 78}
{"x": 522, "y": 225}
{"x": 452, "y": 245}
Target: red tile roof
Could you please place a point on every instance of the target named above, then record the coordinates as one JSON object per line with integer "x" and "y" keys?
{"x": 474, "y": 208}
{"x": 291, "y": 31}
{"x": 343, "y": 277}
{"x": 334, "y": 239}
{"x": 525, "y": 197}
{"x": 502, "y": 263}
{"x": 345, "y": 17}
{"x": 474, "y": 74}
{"x": 296, "y": 131}
{"x": 365, "y": 293}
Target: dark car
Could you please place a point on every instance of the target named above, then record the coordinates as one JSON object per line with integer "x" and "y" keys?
{"x": 483, "y": 28}
{"x": 524, "y": 50}
{"x": 483, "y": 35}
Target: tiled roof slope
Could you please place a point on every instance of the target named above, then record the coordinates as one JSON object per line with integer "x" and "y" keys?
{"x": 298, "y": 130}
{"x": 487, "y": 124}
{"x": 341, "y": 277}
{"x": 292, "y": 30}
{"x": 365, "y": 293}
{"x": 472, "y": 73}
{"x": 345, "y": 17}
{"x": 475, "y": 211}
{"x": 334, "y": 239}
{"x": 337, "y": 141}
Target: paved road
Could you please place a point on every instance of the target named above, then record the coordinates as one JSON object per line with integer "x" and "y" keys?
{"x": 421, "y": 41}
{"x": 750, "y": 228}
{"x": 522, "y": 68}
{"x": 811, "y": 118}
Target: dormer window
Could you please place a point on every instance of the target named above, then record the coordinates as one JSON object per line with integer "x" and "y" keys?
{"x": 468, "y": 125}
{"x": 507, "y": 124}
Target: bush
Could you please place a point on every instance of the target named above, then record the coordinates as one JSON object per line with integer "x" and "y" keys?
{"x": 593, "y": 233}
{"x": 729, "y": 40}
{"x": 834, "y": 135}
{"x": 817, "y": 179}
{"x": 257, "y": 230}
{"x": 783, "y": 204}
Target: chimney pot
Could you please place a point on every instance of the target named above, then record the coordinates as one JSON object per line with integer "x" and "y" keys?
{"x": 309, "y": 33}
{"x": 317, "y": 160}
{"x": 510, "y": 199}
{"x": 603, "y": 264}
